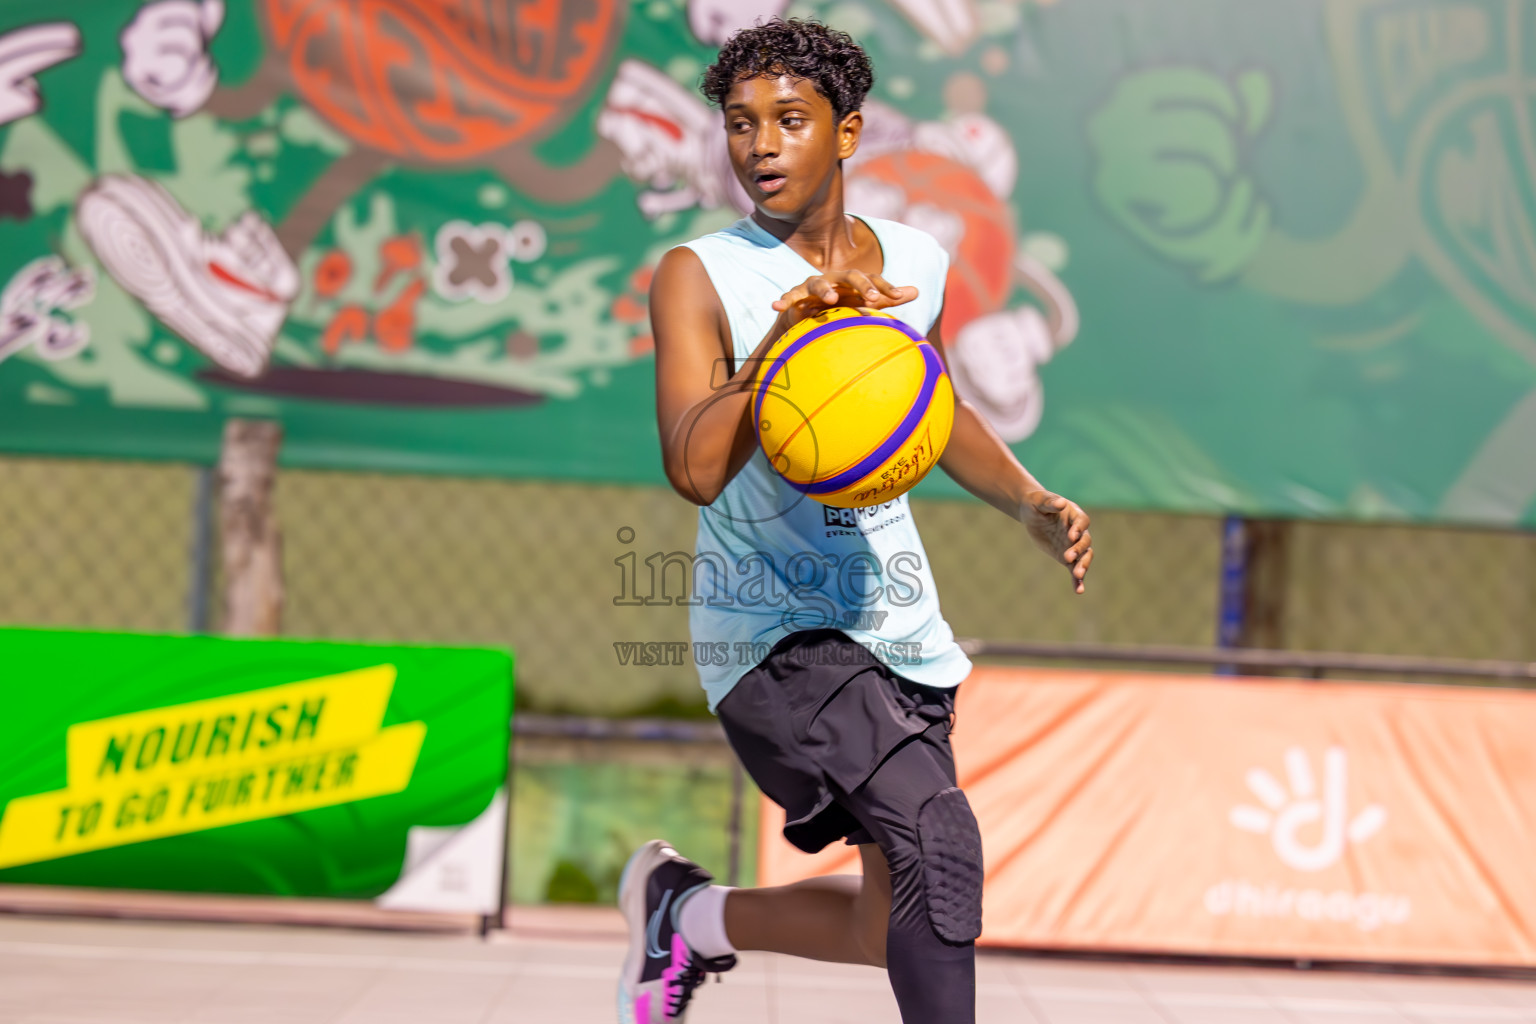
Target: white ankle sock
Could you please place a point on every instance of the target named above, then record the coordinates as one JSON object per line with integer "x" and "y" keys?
{"x": 701, "y": 921}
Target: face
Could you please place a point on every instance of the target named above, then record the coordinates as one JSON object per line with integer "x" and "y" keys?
{"x": 786, "y": 143}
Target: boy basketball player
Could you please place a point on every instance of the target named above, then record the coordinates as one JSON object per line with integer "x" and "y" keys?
{"x": 846, "y": 729}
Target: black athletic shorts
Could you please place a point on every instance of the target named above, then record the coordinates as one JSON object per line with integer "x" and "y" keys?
{"x": 814, "y": 721}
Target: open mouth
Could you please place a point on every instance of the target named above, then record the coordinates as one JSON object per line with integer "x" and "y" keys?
{"x": 769, "y": 181}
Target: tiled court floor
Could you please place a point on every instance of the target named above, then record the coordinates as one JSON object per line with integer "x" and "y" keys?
{"x": 68, "y": 971}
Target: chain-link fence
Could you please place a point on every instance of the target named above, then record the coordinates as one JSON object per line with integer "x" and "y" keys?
{"x": 536, "y": 567}
{"x": 101, "y": 545}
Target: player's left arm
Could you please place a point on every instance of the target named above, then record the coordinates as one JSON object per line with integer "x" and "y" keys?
{"x": 978, "y": 460}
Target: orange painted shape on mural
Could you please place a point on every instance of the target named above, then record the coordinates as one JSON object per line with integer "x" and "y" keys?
{"x": 399, "y": 253}
{"x": 349, "y": 324}
{"x": 442, "y": 83}
{"x": 1188, "y": 814}
{"x": 626, "y": 309}
{"x": 981, "y": 272}
{"x": 283, "y": 16}
{"x": 331, "y": 89}
{"x": 332, "y": 273}
{"x": 395, "y": 326}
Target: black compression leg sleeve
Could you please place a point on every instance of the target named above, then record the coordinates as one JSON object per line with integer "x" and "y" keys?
{"x": 928, "y": 835}
{"x": 934, "y": 982}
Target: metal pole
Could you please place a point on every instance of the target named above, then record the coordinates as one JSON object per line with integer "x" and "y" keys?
{"x": 1234, "y": 586}
{"x": 506, "y": 840}
{"x": 250, "y": 539}
{"x": 202, "y": 551}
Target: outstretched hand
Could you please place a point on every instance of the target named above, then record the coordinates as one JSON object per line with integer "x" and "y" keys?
{"x": 842, "y": 288}
{"x": 1060, "y": 528}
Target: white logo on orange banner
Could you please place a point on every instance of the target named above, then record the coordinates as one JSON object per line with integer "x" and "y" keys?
{"x": 1287, "y": 810}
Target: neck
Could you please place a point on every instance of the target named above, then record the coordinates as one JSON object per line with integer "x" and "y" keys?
{"x": 823, "y": 234}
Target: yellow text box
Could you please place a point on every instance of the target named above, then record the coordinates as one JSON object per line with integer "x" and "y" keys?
{"x": 185, "y": 768}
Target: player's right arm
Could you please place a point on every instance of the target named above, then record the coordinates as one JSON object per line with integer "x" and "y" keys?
{"x": 703, "y": 401}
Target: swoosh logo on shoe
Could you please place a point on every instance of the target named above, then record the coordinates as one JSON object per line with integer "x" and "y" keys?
{"x": 672, "y": 128}
{"x": 653, "y": 930}
{"x": 221, "y": 273}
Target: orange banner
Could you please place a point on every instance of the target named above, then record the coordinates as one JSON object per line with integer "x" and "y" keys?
{"x": 1242, "y": 817}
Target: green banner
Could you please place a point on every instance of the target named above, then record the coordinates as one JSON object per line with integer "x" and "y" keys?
{"x": 251, "y": 766}
{"x": 1276, "y": 260}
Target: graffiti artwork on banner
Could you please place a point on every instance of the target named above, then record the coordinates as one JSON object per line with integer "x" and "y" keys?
{"x": 33, "y": 304}
{"x": 412, "y": 230}
{"x": 200, "y": 253}
{"x": 23, "y": 53}
{"x": 952, "y": 178}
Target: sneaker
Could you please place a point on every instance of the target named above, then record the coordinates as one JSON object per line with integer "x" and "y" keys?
{"x": 660, "y": 972}
{"x": 225, "y": 294}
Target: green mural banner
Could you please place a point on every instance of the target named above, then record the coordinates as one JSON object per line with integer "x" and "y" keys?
{"x": 1271, "y": 261}
{"x": 251, "y": 766}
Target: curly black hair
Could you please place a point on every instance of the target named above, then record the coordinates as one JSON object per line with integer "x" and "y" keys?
{"x": 825, "y": 57}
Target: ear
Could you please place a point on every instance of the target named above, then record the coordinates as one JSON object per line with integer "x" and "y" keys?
{"x": 848, "y": 132}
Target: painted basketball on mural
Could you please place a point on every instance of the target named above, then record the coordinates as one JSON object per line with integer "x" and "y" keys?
{"x": 951, "y": 202}
{"x": 443, "y": 82}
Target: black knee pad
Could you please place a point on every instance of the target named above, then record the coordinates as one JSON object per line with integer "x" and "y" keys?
{"x": 950, "y": 844}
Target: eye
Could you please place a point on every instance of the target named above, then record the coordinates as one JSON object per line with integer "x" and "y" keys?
{"x": 792, "y": 121}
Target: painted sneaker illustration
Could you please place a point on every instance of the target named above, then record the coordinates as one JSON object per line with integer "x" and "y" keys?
{"x": 225, "y": 294}
{"x": 660, "y": 971}
{"x": 1287, "y": 811}
{"x": 669, "y": 141}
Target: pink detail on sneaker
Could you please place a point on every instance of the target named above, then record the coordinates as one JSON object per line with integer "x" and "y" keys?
{"x": 643, "y": 1008}
{"x": 669, "y": 987}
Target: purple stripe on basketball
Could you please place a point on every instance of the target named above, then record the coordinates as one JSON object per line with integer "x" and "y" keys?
{"x": 821, "y": 332}
{"x": 933, "y": 369}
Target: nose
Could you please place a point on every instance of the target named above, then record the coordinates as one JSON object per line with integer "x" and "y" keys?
{"x": 765, "y": 141}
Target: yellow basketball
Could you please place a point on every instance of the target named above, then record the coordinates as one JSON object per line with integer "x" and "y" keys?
{"x": 853, "y": 407}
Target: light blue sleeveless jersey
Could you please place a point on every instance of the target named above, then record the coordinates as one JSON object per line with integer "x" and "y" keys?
{"x": 770, "y": 561}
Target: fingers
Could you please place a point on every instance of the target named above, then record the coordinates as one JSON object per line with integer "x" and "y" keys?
{"x": 858, "y": 283}
{"x": 1078, "y": 549}
{"x": 1056, "y": 521}
{"x": 796, "y": 296}
{"x": 1068, "y": 514}
{"x": 813, "y": 292}
{"x": 840, "y": 286}
{"x": 880, "y": 293}
{"x": 1080, "y": 571}
{"x": 1078, "y": 523}
{"x": 1079, "y": 556}
{"x": 906, "y": 293}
